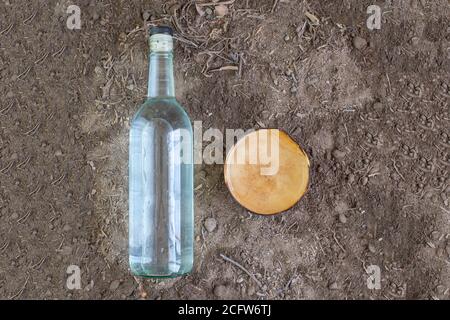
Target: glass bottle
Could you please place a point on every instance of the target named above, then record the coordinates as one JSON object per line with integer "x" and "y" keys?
{"x": 161, "y": 213}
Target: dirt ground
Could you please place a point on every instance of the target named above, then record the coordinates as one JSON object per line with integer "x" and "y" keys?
{"x": 370, "y": 107}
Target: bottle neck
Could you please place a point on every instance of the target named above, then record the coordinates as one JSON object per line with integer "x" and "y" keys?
{"x": 160, "y": 78}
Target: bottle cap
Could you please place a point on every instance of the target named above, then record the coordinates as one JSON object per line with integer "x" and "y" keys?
{"x": 161, "y": 39}
{"x": 161, "y": 30}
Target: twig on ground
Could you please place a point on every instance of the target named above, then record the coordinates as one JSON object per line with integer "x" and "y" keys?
{"x": 24, "y": 218}
{"x": 274, "y": 6}
{"x": 7, "y": 30}
{"x": 23, "y": 163}
{"x": 19, "y": 293}
{"x": 338, "y": 243}
{"x": 251, "y": 275}
{"x": 6, "y": 169}
{"x": 30, "y": 18}
{"x": 396, "y": 169}
{"x": 42, "y": 58}
{"x": 4, "y": 110}
{"x": 225, "y": 68}
{"x": 37, "y": 265}
{"x": 215, "y": 3}
{"x": 59, "y": 52}
{"x": 33, "y": 130}
{"x": 3, "y": 248}
{"x": 24, "y": 73}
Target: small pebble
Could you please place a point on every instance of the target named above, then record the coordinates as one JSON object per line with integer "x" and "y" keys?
{"x": 98, "y": 70}
{"x": 364, "y": 181}
{"x": 440, "y": 289}
{"x": 95, "y": 16}
{"x": 342, "y": 218}
{"x": 221, "y": 291}
{"x": 435, "y": 235}
{"x": 251, "y": 290}
{"x": 378, "y": 106}
{"x": 89, "y": 286}
{"x": 351, "y": 178}
{"x": 415, "y": 41}
{"x": 114, "y": 285}
{"x": 359, "y": 43}
{"x": 221, "y": 10}
{"x": 338, "y": 154}
{"x": 208, "y": 11}
{"x": 334, "y": 286}
{"x": 146, "y": 15}
{"x": 210, "y": 224}
{"x": 372, "y": 248}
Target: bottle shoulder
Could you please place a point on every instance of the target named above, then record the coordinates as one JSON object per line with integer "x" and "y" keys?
{"x": 167, "y": 109}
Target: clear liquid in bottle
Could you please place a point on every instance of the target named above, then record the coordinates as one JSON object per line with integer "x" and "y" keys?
{"x": 161, "y": 214}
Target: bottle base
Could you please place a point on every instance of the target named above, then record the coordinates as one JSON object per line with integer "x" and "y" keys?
{"x": 139, "y": 271}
